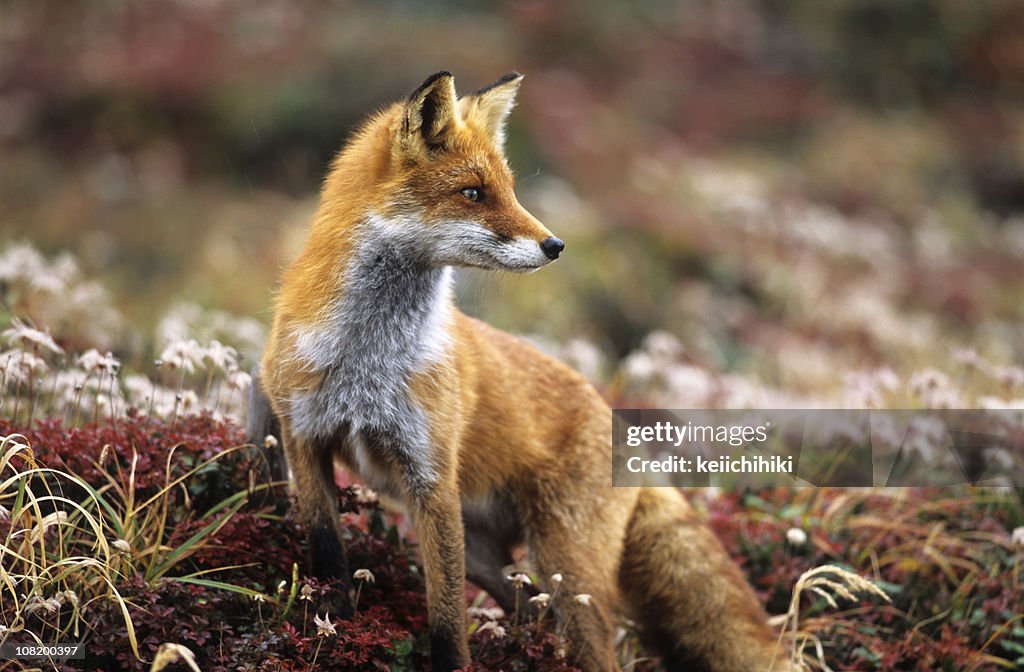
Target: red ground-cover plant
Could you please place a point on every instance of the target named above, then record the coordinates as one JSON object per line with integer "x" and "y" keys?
{"x": 533, "y": 646}
{"x": 945, "y": 559}
{"x": 261, "y": 545}
{"x": 77, "y": 449}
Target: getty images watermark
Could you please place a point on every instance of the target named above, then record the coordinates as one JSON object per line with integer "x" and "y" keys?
{"x": 821, "y": 447}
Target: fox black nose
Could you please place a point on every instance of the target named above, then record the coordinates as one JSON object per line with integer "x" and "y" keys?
{"x": 552, "y": 247}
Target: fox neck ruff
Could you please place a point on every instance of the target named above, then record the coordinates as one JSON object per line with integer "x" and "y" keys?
{"x": 390, "y": 321}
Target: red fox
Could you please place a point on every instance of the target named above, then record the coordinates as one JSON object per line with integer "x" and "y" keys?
{"x": 488, "y": 442}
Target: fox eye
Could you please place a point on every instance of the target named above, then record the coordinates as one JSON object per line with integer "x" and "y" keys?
{"x": 472, "y": 194}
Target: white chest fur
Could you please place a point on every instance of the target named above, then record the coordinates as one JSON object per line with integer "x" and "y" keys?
{"x": 391, "y": 321}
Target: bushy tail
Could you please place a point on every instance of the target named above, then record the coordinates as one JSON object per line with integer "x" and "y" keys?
{"x": 263, "y": 423}
{"x": 696, "y": 607}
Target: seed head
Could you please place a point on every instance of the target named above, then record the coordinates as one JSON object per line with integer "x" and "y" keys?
{"x": 487, "y": 613}
{"x": 796, "y": 536}
{"x": 364, "y": 575}
{"x": 541, "y": 599}
{"x": 21, "y": 332}
{"x": 582, "y": 598}
{"x": 169, "y": 654}
{"x": 69, "y": 597}
{"x": 324, "y": 627}
{"x": 496, "y": 630}
{"x": 519, "y": 579}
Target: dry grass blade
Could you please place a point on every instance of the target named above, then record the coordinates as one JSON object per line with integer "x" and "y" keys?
{"x": 827, "y": 581}
{"x": 169, "y": 654}
{"x": 39, "y": 566}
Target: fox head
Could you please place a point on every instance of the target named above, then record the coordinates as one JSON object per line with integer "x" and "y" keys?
{"x": 444, "y": 190}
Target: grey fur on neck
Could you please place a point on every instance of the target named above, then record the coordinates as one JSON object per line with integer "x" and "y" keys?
{"x": 388, "y": 324}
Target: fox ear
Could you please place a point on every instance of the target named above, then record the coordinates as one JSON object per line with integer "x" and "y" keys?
{"x": 489, "y": 107}
{"x": 430, "y": 110}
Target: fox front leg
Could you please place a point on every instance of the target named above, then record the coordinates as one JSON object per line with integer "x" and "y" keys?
{"x": 438, "y": 520}
{"x": 312, "y": 468}
{"x": 431, "y": 490}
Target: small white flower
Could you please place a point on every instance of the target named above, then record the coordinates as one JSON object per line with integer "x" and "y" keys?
{"x": 306, "y": 593}
{"x": 324, "y": 627}
{"x": 638, "y": 367}
{"x": 541, "y": 599}
{"x": 122, "y": 546}
{"x": 18, "y": 365}
{"x": 270, "y": 441}
{"x": 519, "y": 579}
{"x": 488, "y": 613}
{"x": 259, "y": 597}
{"x": 663, "y": 346}
{"x": 68, "y": 596}
{"x": 1017, "y": 537}
{"x": 20, "y": 331}
{"x": 183, "y": 354}
{"x": 92, "y": 360}
{"x": 32, "y": 605}
{"x": 364, "y": 575}
{"x": 556, "y": 578}
{"x": 496, "y": 630}
{"x": 582, "y": 598}
{"x": 281, "y": 586}
{"x": 37, "y": 604}
{"x": 796, "y": 536}
{"x": 221, "y": 356}
{"x": 239, "y": 380}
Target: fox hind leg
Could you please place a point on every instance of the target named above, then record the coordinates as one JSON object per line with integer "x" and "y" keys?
{"x": 492, "y": 531}
{"x": 588, "y": 593}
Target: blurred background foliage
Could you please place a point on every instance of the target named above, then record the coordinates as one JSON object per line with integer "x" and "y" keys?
{"x": 794, "y": 189}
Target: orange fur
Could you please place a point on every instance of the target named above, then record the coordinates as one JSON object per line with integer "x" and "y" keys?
{"x": 518, "y": 444}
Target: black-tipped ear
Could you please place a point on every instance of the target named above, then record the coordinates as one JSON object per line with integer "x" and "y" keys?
{"x": 490, "y": 106}
{"x": 431, "y": 110}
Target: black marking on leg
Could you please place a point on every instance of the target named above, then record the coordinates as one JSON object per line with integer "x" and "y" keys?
{"x": 681, "y": 660}
{"x": 444, "y": 651}
{"x": 328, "y": 556}
{"x": 328, "y": 562}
